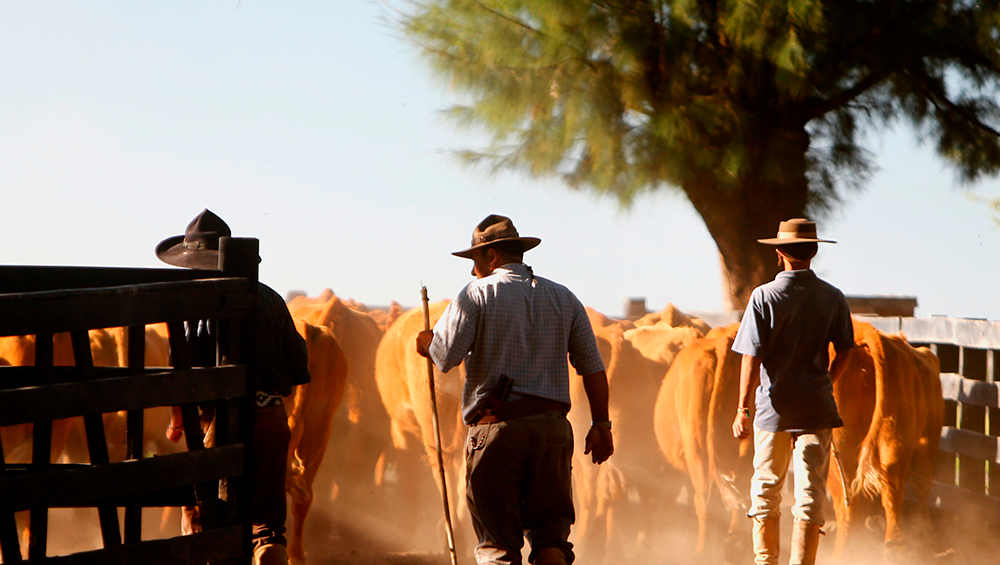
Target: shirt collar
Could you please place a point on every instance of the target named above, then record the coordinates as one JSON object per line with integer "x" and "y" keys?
{"x": 801, "y": 274}
{"x": 516, "y": 268}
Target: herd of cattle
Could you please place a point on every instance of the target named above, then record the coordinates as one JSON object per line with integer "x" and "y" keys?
{"x": 673, "y": 382}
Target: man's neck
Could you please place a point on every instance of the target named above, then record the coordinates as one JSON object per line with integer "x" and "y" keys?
{"x": 796, "y": 266}
{"x": 501, "y": 261}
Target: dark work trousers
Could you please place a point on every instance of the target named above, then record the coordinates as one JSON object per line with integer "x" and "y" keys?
{"x": 271, "y": 437}
{"x": 519, "y": 485}
{"x": 270, "y": 459}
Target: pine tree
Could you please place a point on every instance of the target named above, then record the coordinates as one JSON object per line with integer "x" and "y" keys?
{"x": 754, "y": 109}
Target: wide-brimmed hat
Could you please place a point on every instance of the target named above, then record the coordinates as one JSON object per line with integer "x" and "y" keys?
{"x": 796, "y": 230}
{"x": 198, "y": 248}
{"x": 495, "y": 229}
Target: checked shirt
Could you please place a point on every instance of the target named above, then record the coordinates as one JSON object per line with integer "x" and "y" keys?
{"x": 515, "y": 324}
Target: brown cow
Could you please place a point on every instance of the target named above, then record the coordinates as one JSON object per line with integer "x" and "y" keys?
{"x": 401, "y": 374}
{"x": 661, "y": 343}
{"x": 155, "y": 420}
{"x": 693, "y": 418}
{"x": 19, "y": 351}
{"x": 16, "y": 440}
{"x": 311, "y": 408}
{"x": 384, "y": 318}
{"x": 361, "y": 428}
{"x": 674, "y": 318}
{"x": 889, "y": 396}
{"x": 310, "y": 412}
{"x": 613, "y": 498}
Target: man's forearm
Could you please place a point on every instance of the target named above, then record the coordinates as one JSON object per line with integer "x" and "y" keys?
{"x": 749, "y": 379}
{"x": 596, "y": 387}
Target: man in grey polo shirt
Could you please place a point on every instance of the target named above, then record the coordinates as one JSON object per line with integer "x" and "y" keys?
{"x": 510, "y": 323}
{"x": 784, "y": 338}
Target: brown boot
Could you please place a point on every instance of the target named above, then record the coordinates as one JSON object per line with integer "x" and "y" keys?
{"x": 271, "y": 554}
{"x": 766, "y": 540}
{"x": 805, "y": 542}
{"x": 551, "y": 556}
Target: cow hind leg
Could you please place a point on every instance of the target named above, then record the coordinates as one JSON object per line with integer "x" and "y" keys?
{"x": 736, "y": 548}
{"x": 701, "y": 493}
{"x": 892, "y": 503}
{"x": 300, "y": 508}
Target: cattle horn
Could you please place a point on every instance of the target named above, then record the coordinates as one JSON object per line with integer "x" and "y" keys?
{"x": 437, "y": 436}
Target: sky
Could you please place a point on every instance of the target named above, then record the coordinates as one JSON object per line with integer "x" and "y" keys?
{"x": 315, "y": 127}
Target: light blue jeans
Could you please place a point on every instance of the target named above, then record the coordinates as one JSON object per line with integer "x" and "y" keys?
{"x": 809, "y": 452}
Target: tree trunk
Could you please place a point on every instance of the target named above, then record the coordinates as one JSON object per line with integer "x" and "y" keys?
{"x": 752, "y": 208}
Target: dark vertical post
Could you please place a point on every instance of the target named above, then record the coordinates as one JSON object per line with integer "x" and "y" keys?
{"x": 974, "y": 469}
{"x": 10, "y": 545}
{"x": 992, "y": 427}
{"x": 134, "y": 427}
{"x": 239, "y": 257}
{"x": 181, "y": 358}
{"x": 41, "y": 450}
{"x": 96, "y": 439}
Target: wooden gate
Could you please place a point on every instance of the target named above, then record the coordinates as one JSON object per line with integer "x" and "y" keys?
{"x": 45, "y": 301}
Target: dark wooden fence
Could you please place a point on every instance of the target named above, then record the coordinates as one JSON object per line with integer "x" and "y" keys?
{"x": 967, "y": 478}
{"x": 45, "y": 301}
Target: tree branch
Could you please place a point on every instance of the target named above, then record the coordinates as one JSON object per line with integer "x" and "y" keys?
{"x": 822, "y": 106}
{"x": 944, "y": 105}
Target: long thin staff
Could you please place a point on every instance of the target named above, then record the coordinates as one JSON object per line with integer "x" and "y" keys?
{"x": 437, "y": 436}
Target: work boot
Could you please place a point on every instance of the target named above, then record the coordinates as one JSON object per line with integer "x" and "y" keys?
{"x": 551, "y": 556}
{"x": 805, "y": 542}
{"x": 270, "y": 554}
{"x": 766, "y": 540}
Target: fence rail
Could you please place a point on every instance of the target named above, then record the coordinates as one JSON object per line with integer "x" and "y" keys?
{"x": 44, "y": 302}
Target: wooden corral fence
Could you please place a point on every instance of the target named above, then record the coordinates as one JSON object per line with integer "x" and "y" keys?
{"x": 967, "y": 480}
{"x": 44, "y": 301}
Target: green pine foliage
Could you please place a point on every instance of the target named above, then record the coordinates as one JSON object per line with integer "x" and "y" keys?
{"x": 755, "y": 109}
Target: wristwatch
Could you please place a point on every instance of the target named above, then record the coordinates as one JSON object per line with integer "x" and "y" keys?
{"x": 605, "y": 424}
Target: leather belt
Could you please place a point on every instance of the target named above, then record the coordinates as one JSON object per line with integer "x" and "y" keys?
{"x": 525, "y": 408}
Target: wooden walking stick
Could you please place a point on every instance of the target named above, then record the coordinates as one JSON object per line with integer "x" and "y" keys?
{"x": 437, "y": 437}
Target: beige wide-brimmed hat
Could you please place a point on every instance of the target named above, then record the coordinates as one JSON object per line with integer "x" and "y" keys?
{"x": 796, "y": 230}
{"x": 494, "y": 229}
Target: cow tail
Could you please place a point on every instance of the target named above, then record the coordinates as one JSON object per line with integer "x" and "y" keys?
{"x": 869, "y": 477}
{"x": 717, "y": 409}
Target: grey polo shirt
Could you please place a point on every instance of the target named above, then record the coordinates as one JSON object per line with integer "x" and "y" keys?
{"x": 789, "y": 324}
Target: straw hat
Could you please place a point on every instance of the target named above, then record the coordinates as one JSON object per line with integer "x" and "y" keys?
{"x": 494, "y": 229}
{"x": 797, "y": 230}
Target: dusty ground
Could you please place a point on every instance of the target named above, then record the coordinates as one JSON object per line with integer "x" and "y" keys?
{"x": 373, "y": 534}
{"x": 372, "y": 540}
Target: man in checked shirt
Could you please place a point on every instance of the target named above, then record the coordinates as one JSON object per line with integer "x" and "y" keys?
{"x": 511, "y": 323}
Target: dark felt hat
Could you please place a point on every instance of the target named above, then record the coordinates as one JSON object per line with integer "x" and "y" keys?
{"x": 198, "y": 248}
{"x": 495, "y": 229}
{"x": 796, "y": 230}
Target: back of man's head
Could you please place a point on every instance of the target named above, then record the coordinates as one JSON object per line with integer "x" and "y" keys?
{"x": 511, "y": 249}
{"x": 800, "y": 251}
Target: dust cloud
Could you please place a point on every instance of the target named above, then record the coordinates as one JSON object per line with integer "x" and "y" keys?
{"x": 403, "y": 525}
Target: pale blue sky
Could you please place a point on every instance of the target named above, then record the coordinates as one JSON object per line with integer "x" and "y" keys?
{"x": 313, "y": 127}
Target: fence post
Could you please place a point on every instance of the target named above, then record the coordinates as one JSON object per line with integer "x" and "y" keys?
{"x": 239, "y": 257}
